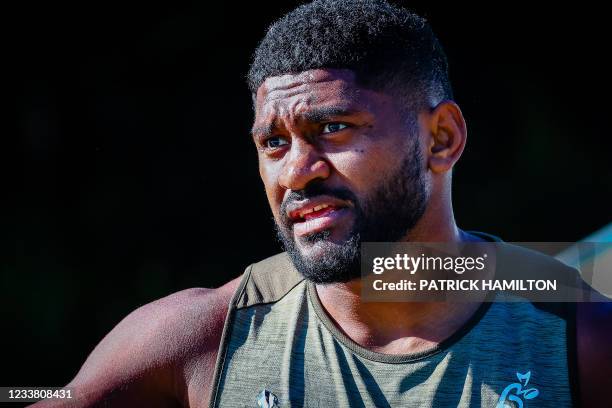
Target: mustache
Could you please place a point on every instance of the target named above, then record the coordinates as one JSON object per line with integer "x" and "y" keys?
{"x": 313, "y": 190}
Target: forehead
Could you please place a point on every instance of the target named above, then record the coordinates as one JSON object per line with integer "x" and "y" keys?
{"x": 295, "y": 93}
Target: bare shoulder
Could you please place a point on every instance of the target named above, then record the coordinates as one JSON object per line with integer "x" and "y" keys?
{"x": 199, "y": 316}
{"x": 594, "y": 353}
{"x": 155, "y": 354}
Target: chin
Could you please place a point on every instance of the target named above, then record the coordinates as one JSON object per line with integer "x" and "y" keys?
{"x": 322, "y": 243}
{"x": 323, "y": 260}
{"x": 313, "y": 250}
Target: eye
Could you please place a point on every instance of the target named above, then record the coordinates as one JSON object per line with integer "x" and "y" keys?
{"x": 275, "y": 142}
{"x": 333, "y": 127}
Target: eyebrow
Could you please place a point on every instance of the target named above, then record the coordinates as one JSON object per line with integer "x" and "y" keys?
{"x": 315, "y": 115}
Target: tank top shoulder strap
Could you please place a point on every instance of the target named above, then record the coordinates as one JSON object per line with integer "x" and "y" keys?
{"x": 268, "y": 281}
{"x": 520, "y": 263}
{"x": 263, "y": 282}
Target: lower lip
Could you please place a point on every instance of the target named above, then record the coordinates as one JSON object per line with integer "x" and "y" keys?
{"x": 320, "y": 223}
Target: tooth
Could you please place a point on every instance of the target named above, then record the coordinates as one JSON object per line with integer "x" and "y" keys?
{"x": 303, "y": 213}
{"x": 318, "y": 207}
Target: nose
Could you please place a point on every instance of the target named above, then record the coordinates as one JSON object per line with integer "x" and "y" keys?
{"x": 303, "y": 165}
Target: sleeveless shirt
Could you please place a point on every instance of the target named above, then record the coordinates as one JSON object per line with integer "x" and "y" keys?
{"x": 279, "y": 342}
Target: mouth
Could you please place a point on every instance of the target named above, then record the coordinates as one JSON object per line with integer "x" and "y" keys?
{"x": 316, "y": 215}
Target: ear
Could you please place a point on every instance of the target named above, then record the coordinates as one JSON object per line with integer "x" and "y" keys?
{"x": 448, "y": 133}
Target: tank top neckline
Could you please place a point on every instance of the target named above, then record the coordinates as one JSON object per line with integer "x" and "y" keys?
{"x": 324, "y": 318}
{"x": 368, "y": 354}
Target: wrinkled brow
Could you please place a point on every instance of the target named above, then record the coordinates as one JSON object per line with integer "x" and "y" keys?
{"x": 313, "y": 115}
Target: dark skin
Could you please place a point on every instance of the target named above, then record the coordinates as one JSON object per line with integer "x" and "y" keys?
{"x": 318, "y": 125}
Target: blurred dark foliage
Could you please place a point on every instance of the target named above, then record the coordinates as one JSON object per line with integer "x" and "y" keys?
{"x": 133, "y": 176}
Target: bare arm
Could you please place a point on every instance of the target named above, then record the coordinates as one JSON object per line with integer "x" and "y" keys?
{"x": 594, "y": 341}
{"x": 160, "y": 355}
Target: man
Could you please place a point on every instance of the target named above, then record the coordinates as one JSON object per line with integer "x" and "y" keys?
{"x": 357, "y": 135}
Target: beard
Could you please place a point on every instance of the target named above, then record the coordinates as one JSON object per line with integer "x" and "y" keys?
{"x": 385, "y": 215}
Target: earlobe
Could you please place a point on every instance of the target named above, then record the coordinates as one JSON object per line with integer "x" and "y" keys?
{"x": 448, "y": 135}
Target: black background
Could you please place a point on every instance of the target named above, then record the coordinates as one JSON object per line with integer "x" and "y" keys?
{"x": 133, "y": 175}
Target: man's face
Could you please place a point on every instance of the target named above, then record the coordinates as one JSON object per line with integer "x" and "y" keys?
{"x": 340, "y": 166}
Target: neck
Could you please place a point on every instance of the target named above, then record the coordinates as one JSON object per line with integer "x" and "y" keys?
{"x": 397, "y": 327}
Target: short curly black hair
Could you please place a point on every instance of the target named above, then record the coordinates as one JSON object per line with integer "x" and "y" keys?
{"x": 388, "y": 47}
